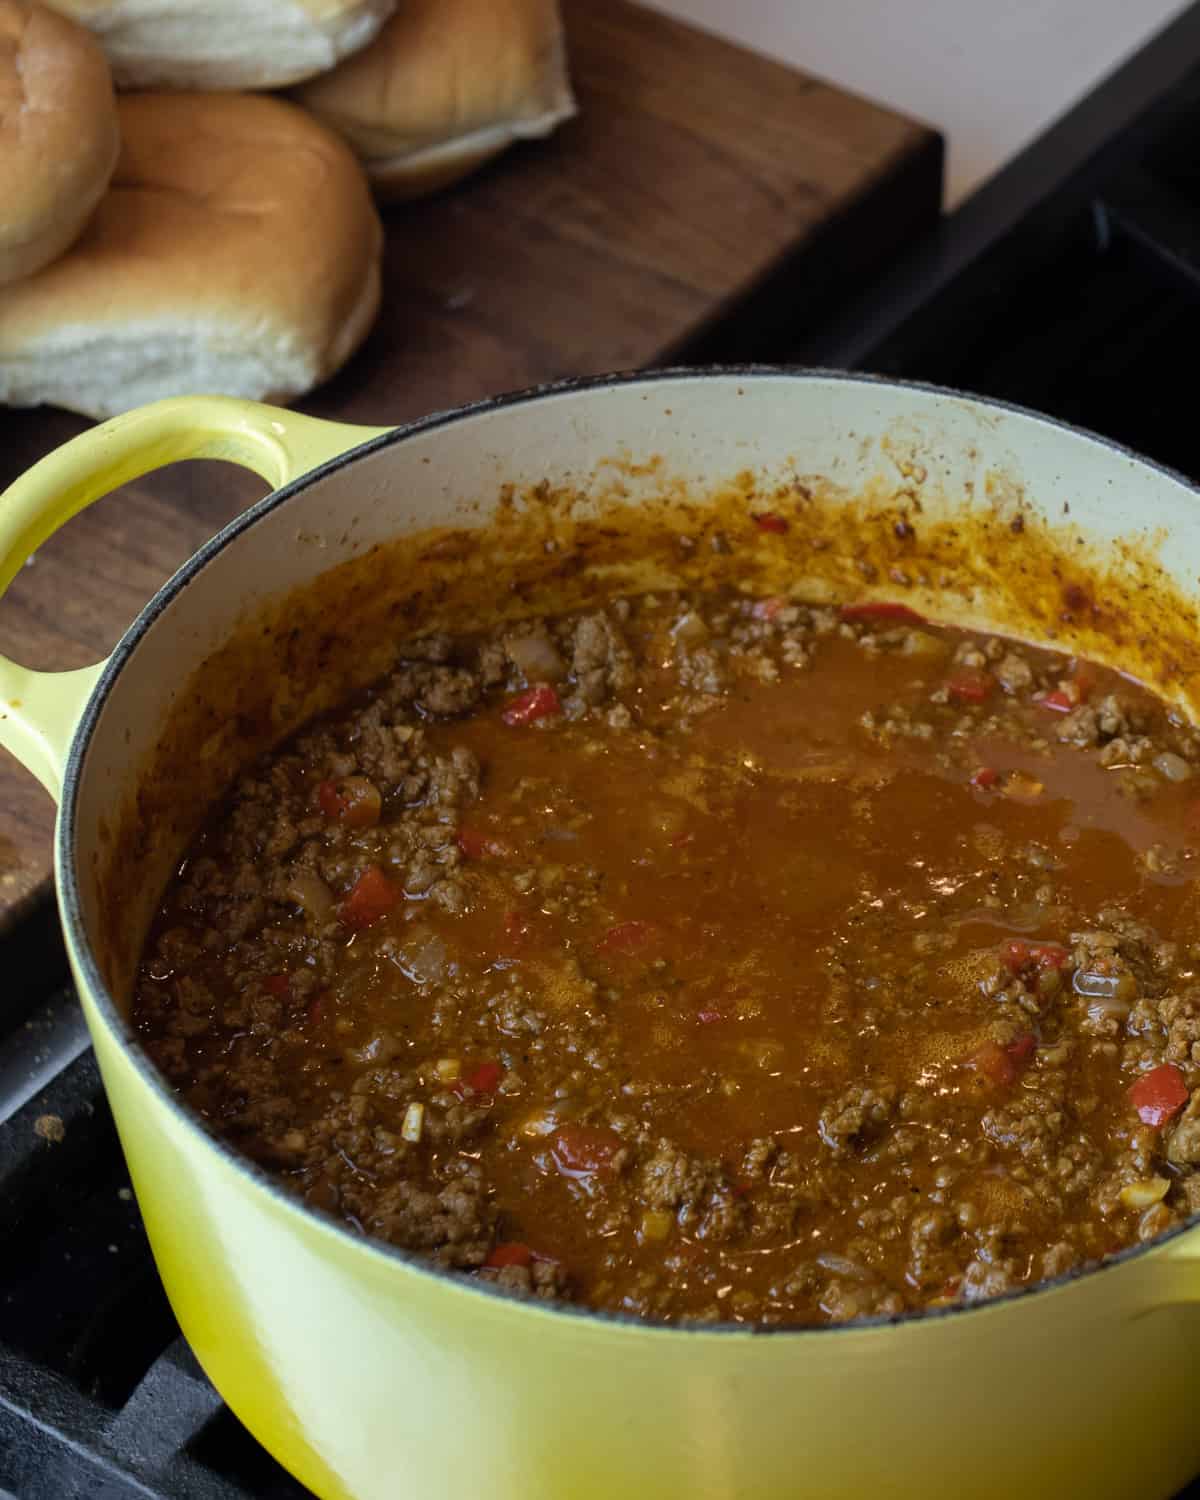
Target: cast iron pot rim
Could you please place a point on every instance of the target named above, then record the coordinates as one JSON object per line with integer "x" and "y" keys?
{"x": 449, "y": 1280}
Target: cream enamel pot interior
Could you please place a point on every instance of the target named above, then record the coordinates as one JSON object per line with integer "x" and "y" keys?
{"x": 373, "y": 1377}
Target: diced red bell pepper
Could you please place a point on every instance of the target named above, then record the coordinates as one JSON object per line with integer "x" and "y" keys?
{"x": 970, "y": 686}
{"x": 316, "y": 1010}
{"x": 1056, "y": 701}
{"x": 584, "y": 1150}
{"x": 872, "y": 610}
{"x": 279, "y": 985}
{"x": 767, "y": 609}
{"x": 769, "y": 522}
{"x": 1159, "y": 1094}
{"x": 628, "y": 937}
{"x": 1022, "y": 1048}
{"x": 1015, "y": 953}
{"x": 1018, "y": 954}
{"x": 535, "y": 703}
{"x": 475, "y": 844}
{"x": 985, "y": 777}
{"x": 369, "y": 899}
{"x": 509, "y": 1255}
{"x": 1004, "y": 1065}
{"x": 354, "y": 801}
{"x": 484, "y": 1078}
{"x": 1083, "y": 676}
{"x": 329, "y": 800}
{"x": 517, "y": 929}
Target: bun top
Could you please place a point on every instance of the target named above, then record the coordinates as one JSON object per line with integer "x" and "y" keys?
{"x": 321, "y": 11}
{"x": 226, "y": 44}
{"x": 441, "y": 70}
{"x": 58, "y": 131}
{"x": 233, "y": 212}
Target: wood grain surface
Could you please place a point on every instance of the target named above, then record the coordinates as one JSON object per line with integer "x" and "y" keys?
{"x": 705, "y": 201}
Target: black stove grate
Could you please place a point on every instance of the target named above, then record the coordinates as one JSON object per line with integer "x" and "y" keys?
{"x": 100, "y": 1398}
{"x": 1071, "y": 283}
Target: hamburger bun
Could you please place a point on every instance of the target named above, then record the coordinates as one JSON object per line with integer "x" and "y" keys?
{"x": 226, "y": 44}
{"x": 58, "y": 135}
{"x": 236, "y": 253}
{"x": 446, "y": 85}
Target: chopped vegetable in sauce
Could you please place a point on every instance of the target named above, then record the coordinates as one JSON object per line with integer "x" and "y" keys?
{"x": 711, "y": 958}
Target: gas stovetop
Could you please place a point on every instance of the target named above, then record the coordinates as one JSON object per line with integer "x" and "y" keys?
{"x": 99, "y": 1395}
{"x": 1071, "y": 283}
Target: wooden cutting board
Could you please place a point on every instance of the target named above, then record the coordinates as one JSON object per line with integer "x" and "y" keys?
{"x": 705, "y": 204}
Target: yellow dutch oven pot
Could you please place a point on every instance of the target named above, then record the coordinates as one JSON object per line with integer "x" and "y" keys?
{"x": 368, "y": 1374}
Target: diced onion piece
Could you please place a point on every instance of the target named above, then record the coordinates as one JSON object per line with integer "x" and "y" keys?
{"x": 1110, "y": 994}
{"x": 920, "y": 643}
{"x": 414, "y": 1123}
{"x": 842, "y": 1265}
{"x": 656, "y": 1224}
{"x": 422, "y": 956}
{"x": 1021, "y": 787}
{"x": 1099, "y": 986}
{"x": 537, "y": 657}
{"x": 448, "y": 1068}
{"x": 1172, "y": 766}
{"x": 541, "y": 1122}
{"x": 311, "y": 892}
{"x": 1109, "y": 1009}
{"x": 380, "y": 1047}
{"x": 1144, "y": 1193}
{"x": 690, "y": 629}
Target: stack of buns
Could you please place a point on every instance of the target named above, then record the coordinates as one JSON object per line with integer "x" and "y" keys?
{"x": 192, "y": 239}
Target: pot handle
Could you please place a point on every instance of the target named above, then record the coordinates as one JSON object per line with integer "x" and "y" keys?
{"x": 39, "y": 710}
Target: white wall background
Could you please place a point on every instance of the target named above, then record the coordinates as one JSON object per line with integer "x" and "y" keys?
{"x": 988, "y": 73}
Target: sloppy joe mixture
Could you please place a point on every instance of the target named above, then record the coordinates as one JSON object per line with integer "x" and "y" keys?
{"x": 710, "y": 958}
